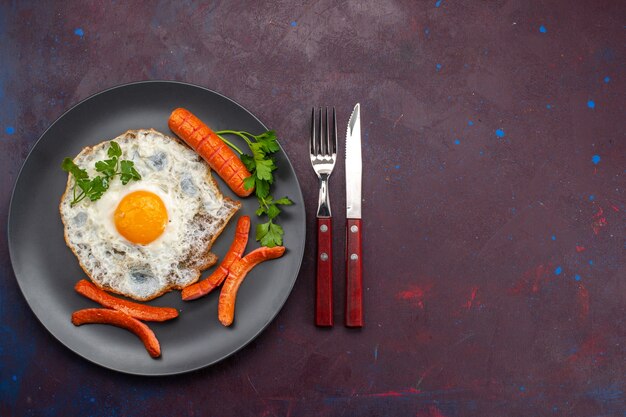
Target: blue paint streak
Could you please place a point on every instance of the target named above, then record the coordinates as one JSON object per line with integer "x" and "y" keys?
{"x": 438, "y": 67}
{"x": 548, "y": 106}
{"x": 500, "y": 133}
{"x": 457, "y": 142}
{"x": 481, "y": 153}
{"x": 558, "y": 270}
{"x": 9, "y": 130}
{"x": 591, "y": 104}
{"x": 607, "y": 79}
{"x": 294, "y": 24}
{"x": 522, "y": 388}
{"x": 553, "y": 237}
{"x": 542, "y": 29}
{"x": 610, "y": 394}
{"x": 470, "y": 123}
{"x": 376, "y": 353}
{"x": 397, "y": 166}
{"x": 438, "y": 3}
{"x": 577, "y": 277}
{"x": 592, "y": 197}
{"x": 595, "y": 159}
{"x": 15, "y": 355}
{"x": 79, "y": 32}
{"x": 590, "y": 262}
{"x": 426, "y": 31}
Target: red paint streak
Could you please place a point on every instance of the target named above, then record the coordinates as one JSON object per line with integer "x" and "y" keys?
{"x": 532, "y": 281}
{"x": 414, "y": 295}
{"x": 599, "y": 221}
{"x": 592, "y": 350}
{"x": 386, "y": 394}
{"x": 614, "y": 208}
{"x": 403, "y": 393}
{"x": 583, "y": 299}
{"x": 468, "y": 304}
{"x": 580, "y": 248}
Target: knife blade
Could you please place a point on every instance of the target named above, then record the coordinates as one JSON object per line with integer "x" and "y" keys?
{"x": 354, "y": 173}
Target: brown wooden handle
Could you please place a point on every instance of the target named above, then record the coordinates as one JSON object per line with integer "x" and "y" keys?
{"x": 354, "y": 278}
{"x": 324, "y": 279}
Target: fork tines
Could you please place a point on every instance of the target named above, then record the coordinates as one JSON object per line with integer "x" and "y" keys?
{"x": 323, "y": 142}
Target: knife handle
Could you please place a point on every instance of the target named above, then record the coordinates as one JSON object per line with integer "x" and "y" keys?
{"x": 324, "y": 279}
{"x": 354, "y": 280}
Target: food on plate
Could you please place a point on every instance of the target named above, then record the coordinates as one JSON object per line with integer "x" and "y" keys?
{"x": 236, "y": 274}
{"x": 107, "y": 169}
{"x": 214, "y": 151}
{"x": 261, "y": 165}
{"x": 119, "y": 319}
{"x": 243, "y": 176}
{"x": 144, "y": 238}
{"x": 135, "y": 310}
{"x": 202, "y": 288}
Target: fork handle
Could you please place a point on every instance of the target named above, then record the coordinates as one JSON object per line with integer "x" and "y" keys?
{"x": 324, "y": 278}
{"x": 354, "y": 277}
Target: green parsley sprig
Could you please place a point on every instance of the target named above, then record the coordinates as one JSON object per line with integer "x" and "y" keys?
{"x": 261, "y": 165}
{"x": 84, "y": 187}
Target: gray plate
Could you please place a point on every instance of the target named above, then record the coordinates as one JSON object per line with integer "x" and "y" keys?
{"x": 46, "y": 269}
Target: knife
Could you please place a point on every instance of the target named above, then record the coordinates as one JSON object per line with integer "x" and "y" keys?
{"x": 354, "y": 169}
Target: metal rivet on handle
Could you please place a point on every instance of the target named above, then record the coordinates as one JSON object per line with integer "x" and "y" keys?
{"x": 354, "y": 228}
{"x": 323, "y": 228}
{"x": 354, "y": 256}
{"x": 324, "y": 256}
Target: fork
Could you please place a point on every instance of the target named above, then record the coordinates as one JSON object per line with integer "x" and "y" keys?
{"x": 323, "y": 157}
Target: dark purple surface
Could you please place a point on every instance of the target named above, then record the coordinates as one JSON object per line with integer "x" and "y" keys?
{"x": 494, "y": 202}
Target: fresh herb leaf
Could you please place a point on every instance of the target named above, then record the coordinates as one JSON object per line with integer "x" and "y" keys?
{"x": 109, "y": 168}
{"x": 248, "y": 182}
{"x": 269, "y": 234}
{"x": 98, "y": 186}
{"x": 262, "y": 166}
{"x": 262, "y": 230}
{"x": 128, "y": 172}
{"x": 84, "y": 184}
{"x": 114, "y": 150}
{"x": 69, "y": 166}
{"x": 284, "y": 202}
{"x": 248, "y": 161}
{"x": 268, "y": 141}
{"x": 262, "y": 189}
{"x": 272, "y": 211}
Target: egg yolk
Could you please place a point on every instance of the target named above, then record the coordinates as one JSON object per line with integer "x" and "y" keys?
{"x": 141, "y": 217}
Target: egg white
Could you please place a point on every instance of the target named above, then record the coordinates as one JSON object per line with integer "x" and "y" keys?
{"x": 197, "y": 212}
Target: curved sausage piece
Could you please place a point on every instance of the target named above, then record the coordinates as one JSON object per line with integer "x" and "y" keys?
{"x": 136, "y": 310}
{"x": 237, "y": 273}
{"x": 202, "y": 288}
{"x": 211, "y": 148}
{"x": 119, "y": 319}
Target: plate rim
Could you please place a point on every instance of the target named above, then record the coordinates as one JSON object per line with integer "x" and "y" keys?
{"x": 11, "y": 249}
